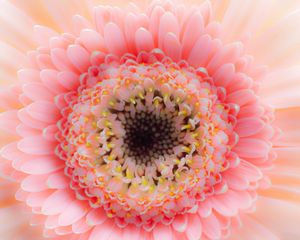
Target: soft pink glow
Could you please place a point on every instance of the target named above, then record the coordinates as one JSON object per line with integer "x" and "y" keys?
{"x": 152, "y": 121}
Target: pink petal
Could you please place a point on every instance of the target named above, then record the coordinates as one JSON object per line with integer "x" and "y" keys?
{"x": 205, "y": 209}
{"x": 34, "y": 183}
{"x": 68, "y": 80}
{"x": 144, "y": 40}
{"x": 168, "y": 24}
{"x": 92, "y": 40}
{"x": 36, "y": 146}
{"x": 30, "y": 121}
{"x": 49, "y": 133}
{"x": 241, "y": 97}
{"x": 224, "y": 75}
{"x": 254, "y": 230}
{"x": 44, "y": 61}
{"x": 36, "y": 220}
{"x": 131, "y": 232}
{"x": 229, "y": 203}
{"x": 162, "y": 231}
{"x": 74, "y": 212}
{"x": 61, "y": 61}
{"x": 8, "y": 99}
{"x": 37, "y": 199}
{"x": 79, "y": 23}
{"x": 102, "y": 16}
{"x": 9, "y": 121}
{"x": 11, "y": 152}
{"x": 222, "y": 204}
{"x": 103, "y": 231}
{"x": 244, "y": 199}
{"x": 206, "y": 11}
{"x": 280, "y": 88}
{"x": 133, "y": 22}
{"x": 203, "y": 50}
{"x": 155, "y": 17}
{"x": 116, "y": 234}
{"x": 29, "y": 75}
{"x": 248, "y": 126}
{"x": 131, "y": 25}
{"x": 44, "y": 111}
{"x": 6, "y": 169}
{"x": 211, "y": 227}
{"x": 236, "y": 180}
{"x": 51, "y": 222}
{"x": 251, "y": 148}
{"x": 288, "y": 121}
{"x": 96, "y": 216}
{"x": 228, "y": 54}
{"x": 214, "y": 29}
{"x": 240, "y": 81}
{"x": 278, "y": 214}
{"x": 58, "y": 180}
{"x": 193, "y": 30}
{"x": 79, "y": 57}
{"x": 114, "y": 39}
{"x": 57, "y": 202}
{"x": 42, "y": 165}
{"x": 50, "y": 80}
{"x": 37, "y": 91}
{"x": 194, "y": 228}
{"x": 250, "y": 171}
{"x": 80, "y": 226}
{"x": 172, "y": 46}
{"x": 180, "y": 223}
{"x": 251, "y": 110}
{"x": 63, "y": 230}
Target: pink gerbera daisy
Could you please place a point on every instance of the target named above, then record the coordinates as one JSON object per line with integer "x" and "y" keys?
{"x": 161, "y": 120}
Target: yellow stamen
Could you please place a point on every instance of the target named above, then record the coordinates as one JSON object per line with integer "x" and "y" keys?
{"x": 144, "y": 181}
{"x": 129, "y": 174}
{"x": 104, "y": 113}
{"x": 111, "y": 157}
{"x": 187, "y": 126}
{"x": 156, "y": 102}
{"x": 119, "y": 169}
{"x": 141, "y": 95}
{"x": 166, "y": 96}
{"x": 161, "y": 180}
{"x": 94, "y": 124}
{"x": 177, "y": 161}
{"x": 186, "y": 149}
{"x": 107, "y": 123}
{"x": 194, "y": 135}
{"x": 112, "y": 103}
{"x": 109, "y": 133}
{"x": 182, "y": 113}
{"x": 110, "y": 145}
{"x": 150, "y": 89}
{"x": 152, "y": 188}
{"x": 104, "y": 92}
{"x": 189, "y": 161}
{"x": 132, "y": 100}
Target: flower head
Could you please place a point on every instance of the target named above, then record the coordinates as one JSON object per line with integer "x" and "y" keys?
{"x": 143, "y": 123}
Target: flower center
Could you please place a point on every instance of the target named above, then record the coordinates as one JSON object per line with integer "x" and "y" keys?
{"x": 145, "y": 139}
{"x": 148, "y": 136}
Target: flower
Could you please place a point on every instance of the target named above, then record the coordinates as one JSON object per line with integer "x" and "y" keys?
{"x": 152, "y": 122}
